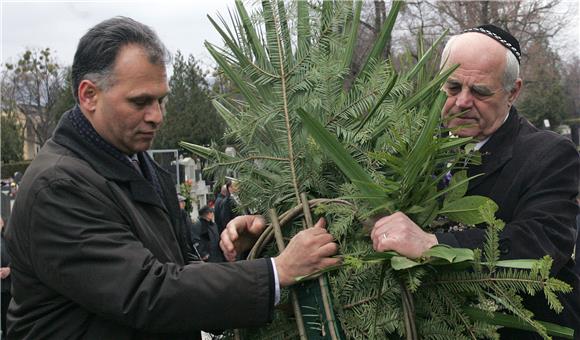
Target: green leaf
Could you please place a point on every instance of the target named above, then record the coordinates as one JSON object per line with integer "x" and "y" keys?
{"x": 384, "y": 36}
{"x": 466, "y": 209}
{"x": 318, "y": 273}
{"x": 451, "y": 255}
{"x": 511, "y": 321}
{"x": 519, "y": 264}
{"x": 448, "y": 143}
{"x": 401, "y": 262}
{"x": 353, "y": 35}
{"x": 233, "y": 75}
{"x": 381, "y": 256}
{"x": 378, "y": 104}
{"x": 345, "y": 162}
{"x": 252, "y": 36}
{"x": 203, "y": 151}
{"x": 459, "y": 186}
{"x": 303, "y": 28}
{"x": 427, "y": 56}
{"x": 420, "y": 96}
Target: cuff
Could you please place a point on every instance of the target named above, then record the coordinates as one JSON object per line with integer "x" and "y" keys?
{"x": 448, "y": 239}
{"x": 276, "y": 283}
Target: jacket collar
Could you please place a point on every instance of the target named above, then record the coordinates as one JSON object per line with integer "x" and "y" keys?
{"x": 497, "y": 151}
{"x": 89, "y": 148}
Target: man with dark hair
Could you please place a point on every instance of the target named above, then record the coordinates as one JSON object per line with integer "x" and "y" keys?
{"x": 209, "y": 237}
{"x": 94, "y": 235}
{"x": 531, "y": 174}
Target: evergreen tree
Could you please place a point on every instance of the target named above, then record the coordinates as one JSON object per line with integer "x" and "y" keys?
{"x": 64, "y": 99}
{"x": 543, "y": 96}
{"x": 12, "y": 141}
{"x": 189, "y": 113}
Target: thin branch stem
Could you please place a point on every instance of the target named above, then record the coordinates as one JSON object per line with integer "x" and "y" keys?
{"x": 461, "y": 317}
{"x": 286, "y": 113}
{"x": 322, "y": 280}
{"x": 294, "y": 296}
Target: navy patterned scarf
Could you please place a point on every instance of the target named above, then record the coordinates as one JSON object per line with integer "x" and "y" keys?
{"x": 88, "y": 132}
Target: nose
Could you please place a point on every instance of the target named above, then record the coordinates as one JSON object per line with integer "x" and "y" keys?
{"x": 155, "y": 113}
{"x": 464, "y": 100}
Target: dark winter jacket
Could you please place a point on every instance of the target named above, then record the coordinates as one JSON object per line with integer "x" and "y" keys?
{"x": 96, "y": 255}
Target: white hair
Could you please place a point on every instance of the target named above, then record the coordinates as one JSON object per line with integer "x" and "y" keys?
{"x": 512, "y": 66}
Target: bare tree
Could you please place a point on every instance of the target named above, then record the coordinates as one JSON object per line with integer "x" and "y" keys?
{"x": 528, "y": 21}
{"x": 32, "y": 87}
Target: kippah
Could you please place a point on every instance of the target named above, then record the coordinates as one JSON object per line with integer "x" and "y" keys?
{"x": 501, "y": 36}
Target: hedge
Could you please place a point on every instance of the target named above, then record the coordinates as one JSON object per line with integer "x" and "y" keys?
{"x": 8, "y": 169}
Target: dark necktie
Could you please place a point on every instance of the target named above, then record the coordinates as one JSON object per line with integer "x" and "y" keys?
{"x": 136, "y": 165}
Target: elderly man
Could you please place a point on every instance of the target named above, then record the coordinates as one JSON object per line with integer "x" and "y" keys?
{"x": 531, "y": 174}
{"x": 94, "y": 235}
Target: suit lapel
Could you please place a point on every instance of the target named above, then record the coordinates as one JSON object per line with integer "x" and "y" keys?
{"x": 496, "y": 152}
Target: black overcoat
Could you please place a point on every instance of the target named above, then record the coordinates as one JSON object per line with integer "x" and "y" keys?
{"x": 532, "y": 175}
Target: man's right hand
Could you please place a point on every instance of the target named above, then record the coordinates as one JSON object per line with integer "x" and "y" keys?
{"x": 307, "y": 252}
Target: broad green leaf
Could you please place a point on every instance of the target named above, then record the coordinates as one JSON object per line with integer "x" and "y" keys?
{"x": 519, "y": 264}
{"x": 466, "y": 209}
{"x": 379, "y": 256}
{"x": 401, "y": 262}
{"x": 451, "y": 255}
{"x": 459, "y": 186}
{"x": 450, "y": 188}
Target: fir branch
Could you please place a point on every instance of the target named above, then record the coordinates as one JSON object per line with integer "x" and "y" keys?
{"x": 247, "y": 159}
{"x": 459, "y": 314}
{"x": 286, "y": 113}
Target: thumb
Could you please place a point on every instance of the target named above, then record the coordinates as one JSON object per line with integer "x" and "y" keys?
{"x": 257, "y": 224}
{"x": 321, "y": 223}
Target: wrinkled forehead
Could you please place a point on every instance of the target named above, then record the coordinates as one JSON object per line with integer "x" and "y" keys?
{"x": 477, "y": 53}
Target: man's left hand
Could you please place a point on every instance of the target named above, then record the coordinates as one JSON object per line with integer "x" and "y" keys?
{"x": 399, "y": 233}
{"x": 240, "y": 235}
{"x": 4, "y": 272}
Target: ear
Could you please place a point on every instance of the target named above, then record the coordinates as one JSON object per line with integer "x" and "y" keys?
{"x": 88, "y": 95}
{"x": 515, "y": 92}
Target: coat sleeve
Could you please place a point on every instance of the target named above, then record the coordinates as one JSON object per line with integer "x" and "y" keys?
{"x": 82, "y": 248}
{"x": 544, "y": 214}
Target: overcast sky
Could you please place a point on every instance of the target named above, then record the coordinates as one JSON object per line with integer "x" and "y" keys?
{"x": 59, "y": 25}
{"x": 181, "y": 24}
